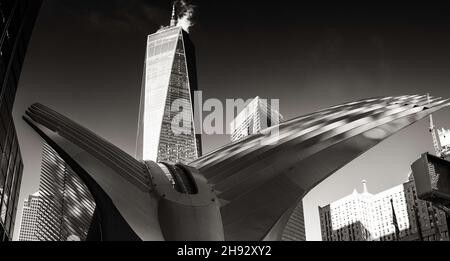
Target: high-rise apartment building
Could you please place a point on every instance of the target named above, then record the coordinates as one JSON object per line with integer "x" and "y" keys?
{"x": 256, "y": 116}
{"x": 391, "y": 215}
{"x": 169, "y": 83}
{"x": 67, "y": 207}
{"x": 17, "y": 19}
{"x": 29, "y": 218}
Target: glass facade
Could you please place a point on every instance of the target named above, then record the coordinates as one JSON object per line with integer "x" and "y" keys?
{"x": 295, "y": 227}
{"x": 17, "y": 18}
{"x": 67, "y": 206}
{"x": 168, "y": 84}
{"x": 256, "y": 116}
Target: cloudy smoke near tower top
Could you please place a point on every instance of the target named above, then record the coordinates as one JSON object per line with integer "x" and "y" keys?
{"x": 185, "y": 14}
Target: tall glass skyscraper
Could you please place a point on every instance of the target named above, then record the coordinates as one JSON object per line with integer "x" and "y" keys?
{"x": 67, "y": 207}
{"x": 17, "y": 19}
{"x": 169, "y": 82}
{"x": 256, "y": 116}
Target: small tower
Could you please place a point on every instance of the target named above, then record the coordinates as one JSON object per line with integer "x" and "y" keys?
{"x": 365, "y": 190}
{"x": 173, "y": 20}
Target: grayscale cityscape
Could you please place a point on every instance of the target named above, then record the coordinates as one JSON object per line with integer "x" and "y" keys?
{"x": 224, "y": 121}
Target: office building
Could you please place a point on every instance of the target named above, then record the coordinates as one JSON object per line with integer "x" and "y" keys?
{"x": 395, "y": 214}
{"x": 17, "y": 19}
{"x": 67, "y": 206}
{"x": 295, "y": 227}
{"x": 256, "y": 116}
{"x": 29, "y": 218}
{"x": 169, "y": 81}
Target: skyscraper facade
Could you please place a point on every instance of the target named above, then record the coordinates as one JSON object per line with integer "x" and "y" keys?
{"x": 295, "y": 227}
{"x": 169, "y": 83}
{"x": 395, "y": 214}
{"x": 256, "y": 116}
{"x": 17, "y": 19}
{"x": 67, "y": 206}
{"x": 29, "y": 218}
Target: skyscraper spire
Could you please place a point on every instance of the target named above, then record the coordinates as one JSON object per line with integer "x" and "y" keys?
{"x": 173, "y": 20}
{"x": 365, "y": 190}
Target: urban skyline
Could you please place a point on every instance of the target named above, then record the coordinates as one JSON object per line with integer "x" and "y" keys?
{"x": 395, "y": 214}
{"x": 116, "y": 135}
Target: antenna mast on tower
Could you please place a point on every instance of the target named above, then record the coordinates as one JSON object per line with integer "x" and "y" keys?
{"x": 436, "y": 145}
{"x": 173, "y": 20}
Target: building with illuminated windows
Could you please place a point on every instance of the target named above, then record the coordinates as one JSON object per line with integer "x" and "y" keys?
{"x": 17, "y": 19}
{"x": 395, "y": 214}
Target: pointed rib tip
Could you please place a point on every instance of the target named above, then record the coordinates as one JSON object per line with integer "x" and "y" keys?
{"x": 446, "y": 102}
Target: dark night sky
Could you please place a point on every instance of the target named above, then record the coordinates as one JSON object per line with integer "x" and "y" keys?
{"x": 86, "y": 58}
